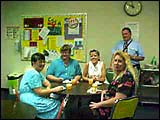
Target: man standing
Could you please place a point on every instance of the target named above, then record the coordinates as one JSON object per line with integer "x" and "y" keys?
{"x": 132, "y": 47}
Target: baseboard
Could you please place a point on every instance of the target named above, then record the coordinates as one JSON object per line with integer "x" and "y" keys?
{"x": 5, "y": 89}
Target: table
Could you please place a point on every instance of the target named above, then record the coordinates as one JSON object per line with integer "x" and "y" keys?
{"x": 11, "y": 109}
{"x": 79, "y": 99}
{"x": 80, "y": 89}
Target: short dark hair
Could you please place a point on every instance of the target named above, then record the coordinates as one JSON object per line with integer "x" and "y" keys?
{"x": 65, "y": 47}
{"x": 127, "y": 28}
{"x": 37, "y": 56}
{"x": 94, "y": 50}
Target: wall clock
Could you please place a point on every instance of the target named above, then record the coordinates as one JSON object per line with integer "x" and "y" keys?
{"x": 132, "y": 8}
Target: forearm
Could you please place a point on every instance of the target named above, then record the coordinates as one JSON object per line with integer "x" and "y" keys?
{"x": 77, "y": 78}
{"x": 43, "y": 92}
{"x": 111, "y": 101}
{"x": 101, "y": 79}
{"x": 53, "y": 78}
{"x": 47, "y": 84}
{"x": 136, "y": 58}
{"x": 47, "y": 91}
{"x": 85, "y": 78}
{"x": 107, "y": 103}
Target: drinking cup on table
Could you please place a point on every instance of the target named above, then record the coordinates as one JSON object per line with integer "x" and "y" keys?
{"x": 94, "y": 87}
{"x": 90, "y": 81}
{"x": 73, "y": 81}
{"x": 69, "y": 86}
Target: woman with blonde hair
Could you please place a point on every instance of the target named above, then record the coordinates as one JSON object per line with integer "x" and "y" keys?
{"x": 122, "y": 85}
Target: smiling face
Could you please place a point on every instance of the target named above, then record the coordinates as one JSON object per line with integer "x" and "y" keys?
{"x": 65, "y": 55}
{"x": 39, "y": 65}
{"x": 126, "y": 35}
{"x": 118, "y": 63}
{"x": 94, "y": 57}
{"x": 65, "y": 52}
{"x": 38, "y": 61}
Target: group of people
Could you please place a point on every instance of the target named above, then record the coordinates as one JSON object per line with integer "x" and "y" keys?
{"x": 34, "y": 87}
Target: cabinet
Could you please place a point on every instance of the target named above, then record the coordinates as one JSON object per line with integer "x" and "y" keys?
{"x": 148, "y": 90}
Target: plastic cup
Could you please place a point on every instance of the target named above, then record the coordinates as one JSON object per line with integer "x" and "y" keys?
{"x": 94, "y": 87}
{"x": 90, "y": 81}
{"x": 73, "y": 81}
{"x": 69, "y": 86}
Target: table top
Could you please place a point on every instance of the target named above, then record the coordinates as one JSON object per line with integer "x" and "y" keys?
{"x": 80, "y": 88}
{"x": 11, "y": 109}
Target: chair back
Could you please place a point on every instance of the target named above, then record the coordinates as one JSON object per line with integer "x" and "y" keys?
{"x": 124, "y": 108}
{"x": 109, "y": 75}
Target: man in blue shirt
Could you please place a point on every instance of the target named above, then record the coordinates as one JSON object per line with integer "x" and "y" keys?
{"x": 132, "y": 47}
{"x": 64, "y": 68}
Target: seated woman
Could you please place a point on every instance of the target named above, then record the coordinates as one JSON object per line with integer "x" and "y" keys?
{"x": 34, "y": 88}
{"x": 122, "y": 86}
{"x": 94, "y": 69}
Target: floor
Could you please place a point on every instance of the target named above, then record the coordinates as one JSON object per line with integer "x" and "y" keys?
{"x": 144, "y": 111}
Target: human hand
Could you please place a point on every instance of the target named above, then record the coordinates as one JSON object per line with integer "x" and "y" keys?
{"x": 110, "y": 69}
{"x": 104, "y": 91}
{"x": 94, "y": 78}
{"x": 60, "y": 79}
{"x": 102, "y": 94}
{"x": 94, "y": 105}
{"x": 58, "y": 88}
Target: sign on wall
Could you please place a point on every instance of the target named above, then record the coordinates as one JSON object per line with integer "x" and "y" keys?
{"x": 49, "y": 33}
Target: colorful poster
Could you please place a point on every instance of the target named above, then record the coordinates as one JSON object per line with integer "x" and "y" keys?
{"x": 72, "y": 28}
{"x": 49, "y": 33}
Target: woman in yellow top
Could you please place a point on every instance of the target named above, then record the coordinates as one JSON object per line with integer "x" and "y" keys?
{"x": 94, "y": 69}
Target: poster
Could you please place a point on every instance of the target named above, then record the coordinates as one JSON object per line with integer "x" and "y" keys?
{"x": 50, "y": 32}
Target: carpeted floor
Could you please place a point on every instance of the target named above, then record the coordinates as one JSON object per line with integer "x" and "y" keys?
{"x": 143, "y": 111}
{"x": 147, "y": 111}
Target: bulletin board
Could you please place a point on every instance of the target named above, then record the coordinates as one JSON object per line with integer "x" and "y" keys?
{"x": 50, "y": 32}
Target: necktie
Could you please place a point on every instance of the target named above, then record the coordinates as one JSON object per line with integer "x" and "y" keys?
{"x": 125, "y": 47}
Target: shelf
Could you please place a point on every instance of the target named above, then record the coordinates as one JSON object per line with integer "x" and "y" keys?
{"x": 150, "y": 100}
{"x": 150, "y": 85}
{"x": 150, "y": 70}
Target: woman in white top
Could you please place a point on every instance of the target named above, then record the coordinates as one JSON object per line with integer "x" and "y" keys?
{"x": 94, "y": 69}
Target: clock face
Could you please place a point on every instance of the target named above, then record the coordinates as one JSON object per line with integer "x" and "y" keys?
{"x": 132, "y": 8}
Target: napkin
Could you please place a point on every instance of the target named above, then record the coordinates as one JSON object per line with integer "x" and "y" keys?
{"x": 92, "y": 92}
{"x": 98, "y": 83}
{"x": 66, "y": 81}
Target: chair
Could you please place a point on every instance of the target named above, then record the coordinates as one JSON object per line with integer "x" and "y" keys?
{"x": 109, "y": 75}
{"x": 124, "y": 108}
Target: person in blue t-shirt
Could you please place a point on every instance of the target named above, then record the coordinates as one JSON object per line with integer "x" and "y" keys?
{"x": 132, "y": 47}
{"x": 34, "y": 88}
{"x": 64, "y": 68}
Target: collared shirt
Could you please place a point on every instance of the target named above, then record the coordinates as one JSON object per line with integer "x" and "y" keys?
{"x": 95, "y": 70}
{"x": 59, "y": 69}
{"x": 45, "y": 108}
{"x": 134, "y": 49}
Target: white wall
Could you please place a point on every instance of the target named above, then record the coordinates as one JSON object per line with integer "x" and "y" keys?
{"x": 105, "y": 20}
